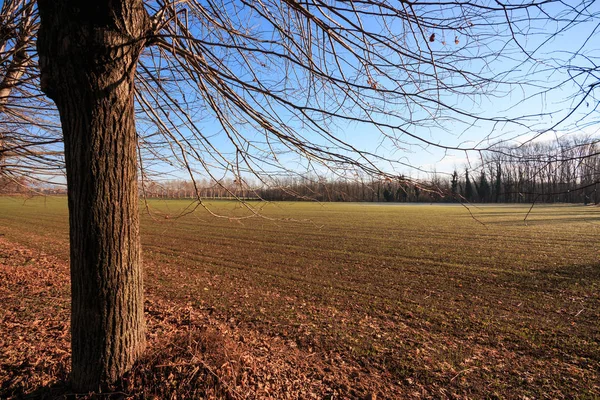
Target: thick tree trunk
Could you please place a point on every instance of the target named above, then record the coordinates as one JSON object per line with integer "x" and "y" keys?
{"x": 88, "y": 53}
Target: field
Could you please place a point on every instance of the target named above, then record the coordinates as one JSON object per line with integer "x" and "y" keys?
{"x": 332, "y": 300}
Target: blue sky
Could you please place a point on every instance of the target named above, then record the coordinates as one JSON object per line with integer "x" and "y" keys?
{"x": 547, "y": 68}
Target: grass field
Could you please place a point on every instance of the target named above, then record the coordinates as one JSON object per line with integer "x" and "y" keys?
{"x": 433, "y": 301}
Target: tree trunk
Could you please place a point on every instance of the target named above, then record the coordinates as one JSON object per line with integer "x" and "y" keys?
{"x": 88, "y": 54}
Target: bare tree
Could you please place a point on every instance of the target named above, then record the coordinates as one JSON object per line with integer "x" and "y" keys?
{"x": 29, "y": 134}
{"x": 262, "y": 88}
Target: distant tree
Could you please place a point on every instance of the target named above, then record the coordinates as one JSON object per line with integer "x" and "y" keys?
{"x": 498, "y": 182}
{"x": 483, "y": 188}
{"x": 388, "y": 194}
{"x": 401, "y": 194}
{"x": 417, "y": 190}
{"x": 468, "y": 187}
{"x": 454, "y": 185}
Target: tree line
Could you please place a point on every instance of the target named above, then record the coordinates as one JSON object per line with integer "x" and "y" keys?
{"x": 562, "y": 171}
{"x": 566, "y": 171}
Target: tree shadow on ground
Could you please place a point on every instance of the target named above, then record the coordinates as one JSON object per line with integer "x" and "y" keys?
{"x": 19, "y": 386}
{"x": 178, "y": 367}
{"x": 587, "y": 273}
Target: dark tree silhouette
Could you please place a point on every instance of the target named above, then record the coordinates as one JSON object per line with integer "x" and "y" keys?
{"x": 483, "y": 188}
{"x": 468, "y": 187}
{"x": 454, "y": 185}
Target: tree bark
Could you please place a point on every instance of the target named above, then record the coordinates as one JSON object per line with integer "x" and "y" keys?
{"x": 88, "y": 53}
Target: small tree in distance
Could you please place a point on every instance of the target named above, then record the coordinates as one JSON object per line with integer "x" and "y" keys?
{"x": 143, "y": 83}
{"x": 468, "y": 186}
{"x": 454, "y": 185}
{"x": 483, "y": 188}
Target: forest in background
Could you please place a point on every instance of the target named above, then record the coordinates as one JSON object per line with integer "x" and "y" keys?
{"x": 566, "y": 171}
{"x": 562, "y": 171}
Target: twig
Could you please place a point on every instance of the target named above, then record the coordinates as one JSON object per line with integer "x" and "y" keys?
{"x": 463, "y": 371}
